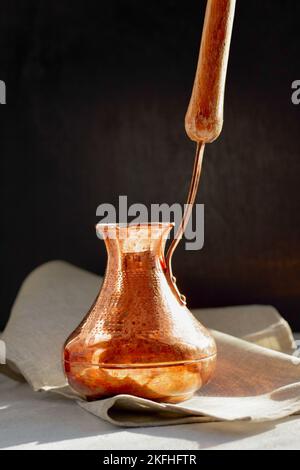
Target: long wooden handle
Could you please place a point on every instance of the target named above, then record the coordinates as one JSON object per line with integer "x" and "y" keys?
{"x": 204, "y": 118}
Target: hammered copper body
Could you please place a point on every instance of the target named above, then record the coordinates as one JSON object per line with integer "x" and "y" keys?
{"x": 138, "y": 337}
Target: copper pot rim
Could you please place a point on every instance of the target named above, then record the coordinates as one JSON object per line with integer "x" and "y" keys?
{"x": 133, "y": 227}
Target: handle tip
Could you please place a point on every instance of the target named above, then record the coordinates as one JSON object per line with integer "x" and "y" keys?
{"x": 203, "y": 130}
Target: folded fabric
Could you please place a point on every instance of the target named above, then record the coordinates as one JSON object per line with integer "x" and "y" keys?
{"x": 251, "y": 381}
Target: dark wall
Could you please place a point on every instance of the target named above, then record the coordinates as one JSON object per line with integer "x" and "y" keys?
{"x": 96, "y": 98}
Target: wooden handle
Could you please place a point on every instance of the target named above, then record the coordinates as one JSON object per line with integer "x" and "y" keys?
{"x": 204, "y": 118}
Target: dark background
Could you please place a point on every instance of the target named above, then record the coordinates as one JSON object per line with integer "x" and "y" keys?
{"x": 96, "y": 97}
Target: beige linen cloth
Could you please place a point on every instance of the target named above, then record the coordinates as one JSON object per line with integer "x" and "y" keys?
{"x": 257, "y": 377}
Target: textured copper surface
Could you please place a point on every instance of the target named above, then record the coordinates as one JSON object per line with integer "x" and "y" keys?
{"x": 138, "y": 337}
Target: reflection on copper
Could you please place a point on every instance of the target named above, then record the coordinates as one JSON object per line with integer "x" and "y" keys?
{"x": 138, "y": 337}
